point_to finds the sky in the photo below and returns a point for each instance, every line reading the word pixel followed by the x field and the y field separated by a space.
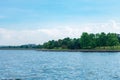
pixel 37 21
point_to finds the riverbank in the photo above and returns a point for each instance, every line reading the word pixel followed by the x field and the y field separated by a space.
pixel 79 50
pixel 64 50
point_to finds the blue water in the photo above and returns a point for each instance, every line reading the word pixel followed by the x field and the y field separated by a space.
pixel 37 65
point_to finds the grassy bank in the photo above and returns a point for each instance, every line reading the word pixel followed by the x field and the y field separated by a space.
pixel 98 49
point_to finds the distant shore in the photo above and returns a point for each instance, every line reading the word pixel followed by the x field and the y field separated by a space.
pixel 17 49
pixel 79 50
pixel 63 50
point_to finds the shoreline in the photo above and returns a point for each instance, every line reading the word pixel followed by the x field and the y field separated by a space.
pixel 82 50
pixel 63 50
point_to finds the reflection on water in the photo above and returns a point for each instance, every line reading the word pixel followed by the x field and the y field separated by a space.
pixel 36 65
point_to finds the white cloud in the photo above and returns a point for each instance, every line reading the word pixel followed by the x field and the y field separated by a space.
pixel 18 37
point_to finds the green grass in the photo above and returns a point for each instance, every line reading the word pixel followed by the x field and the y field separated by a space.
pixel 108 48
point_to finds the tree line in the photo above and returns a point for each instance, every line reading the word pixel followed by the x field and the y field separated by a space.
pixel 86 41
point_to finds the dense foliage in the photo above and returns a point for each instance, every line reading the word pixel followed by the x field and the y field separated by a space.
pixel 86 41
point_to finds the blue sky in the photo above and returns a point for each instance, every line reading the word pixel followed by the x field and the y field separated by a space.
pixel 42 17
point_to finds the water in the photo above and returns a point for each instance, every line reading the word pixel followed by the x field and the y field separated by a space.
pixel 37 65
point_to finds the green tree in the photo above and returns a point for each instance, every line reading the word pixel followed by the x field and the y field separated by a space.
pixel 112 39
pixel 97 40
pixel 49 44
pixel 102 39
pixel 85 40
pixel 76 43
pixel 66 42
pixel 118 36
pixel 92 39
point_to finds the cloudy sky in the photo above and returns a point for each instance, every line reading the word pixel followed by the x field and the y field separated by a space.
pixel 37 21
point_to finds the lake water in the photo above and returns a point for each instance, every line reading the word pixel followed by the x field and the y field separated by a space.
pixel 37 65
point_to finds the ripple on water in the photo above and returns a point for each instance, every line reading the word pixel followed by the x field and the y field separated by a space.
pixel 36 65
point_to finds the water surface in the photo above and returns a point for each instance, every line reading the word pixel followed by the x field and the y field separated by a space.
pixel 37 65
